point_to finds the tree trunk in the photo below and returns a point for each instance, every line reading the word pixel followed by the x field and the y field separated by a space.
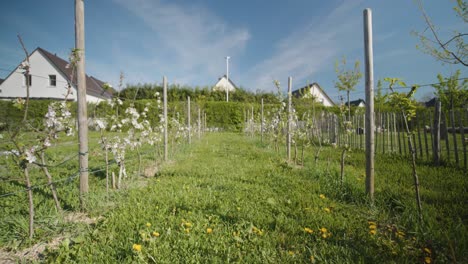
pixel 413 165
pixel 50 183
pixel 31 204
pixel 107 170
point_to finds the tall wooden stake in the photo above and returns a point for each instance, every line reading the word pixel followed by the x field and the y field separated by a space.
pixel 288 137
pixel 261 125
pixel 199 123
pixel 82 107
pixel 166 147
pixel 370 125
pixel 188 121
pixel 436 133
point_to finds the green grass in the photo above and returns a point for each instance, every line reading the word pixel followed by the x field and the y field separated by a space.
pixel 257 206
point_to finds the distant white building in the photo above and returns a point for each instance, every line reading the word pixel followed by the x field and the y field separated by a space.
pixel 314 91
pixel 358 103
pixel 48 79
pixel 224 84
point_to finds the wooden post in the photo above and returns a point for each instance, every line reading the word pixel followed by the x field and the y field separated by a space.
pixel 454 135
pixel 446 135
pixel 462 133
pixel 188 121
pixel 369 77
pixel 436 133
pixel 376 132
pixel 199 123
pixel 261 125
pixel 81 94
pixel 397 122
pixel 413 135
pixel 392 131
pixel 288 137
pixel 418 123
pixel 382 123
pixel 252 123
pixel 425 136
pixel 166 147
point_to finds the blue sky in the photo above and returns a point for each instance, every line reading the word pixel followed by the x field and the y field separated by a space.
pixel 266 40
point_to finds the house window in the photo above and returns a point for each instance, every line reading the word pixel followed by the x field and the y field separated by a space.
pixel 28 80
pixel 53 80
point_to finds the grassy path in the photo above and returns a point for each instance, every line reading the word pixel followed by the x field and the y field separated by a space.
pixel 229 199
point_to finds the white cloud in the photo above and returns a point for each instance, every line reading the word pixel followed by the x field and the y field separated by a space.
pixel 306 52
pixel 187 42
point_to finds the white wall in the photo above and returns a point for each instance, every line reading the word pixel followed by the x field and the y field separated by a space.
pixel 317 93
pixel 14 85
pixel 222 84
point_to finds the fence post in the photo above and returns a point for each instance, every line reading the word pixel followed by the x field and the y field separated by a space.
pixel 188 121
pixel 454 135
pixel 261 125
pixel 369 77
pixel 288 137
pixel 82 106
pixel 165 117
pixel 252 124
pixel 436 133
pixel 463 141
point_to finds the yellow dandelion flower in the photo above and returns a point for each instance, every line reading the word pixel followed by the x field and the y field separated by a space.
pixel 322 196
pixel 308 230
pixel 371 223
pixel 155 234
pixel 373 232
pixel 187 230
pixel 235 234
pixel 427 250
pixel 312 259
pixel 323 230
pixel 326 209
pixel 324 235
pixel 209 230
pixel 373 227
pixel 188 225
pixel 291 253
pixel 427 260
pixel 238 208
pixel 137 247
pixel 148 224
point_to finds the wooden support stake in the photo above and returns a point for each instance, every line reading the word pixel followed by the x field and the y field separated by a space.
pixel 189 127
pixel 369 77
pixel 425 136
pixel 261 125
pixel 166 146
pixel 288 137
pixel 454 136
pixel 81 95
pixel 199 123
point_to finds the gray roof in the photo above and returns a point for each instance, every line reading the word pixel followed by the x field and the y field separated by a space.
pixel 357 102
pixel 94 86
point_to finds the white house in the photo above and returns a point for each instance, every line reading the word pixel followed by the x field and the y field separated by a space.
pixel 48 79
pixel 314 91
pixel 224 84
pixel 358 103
